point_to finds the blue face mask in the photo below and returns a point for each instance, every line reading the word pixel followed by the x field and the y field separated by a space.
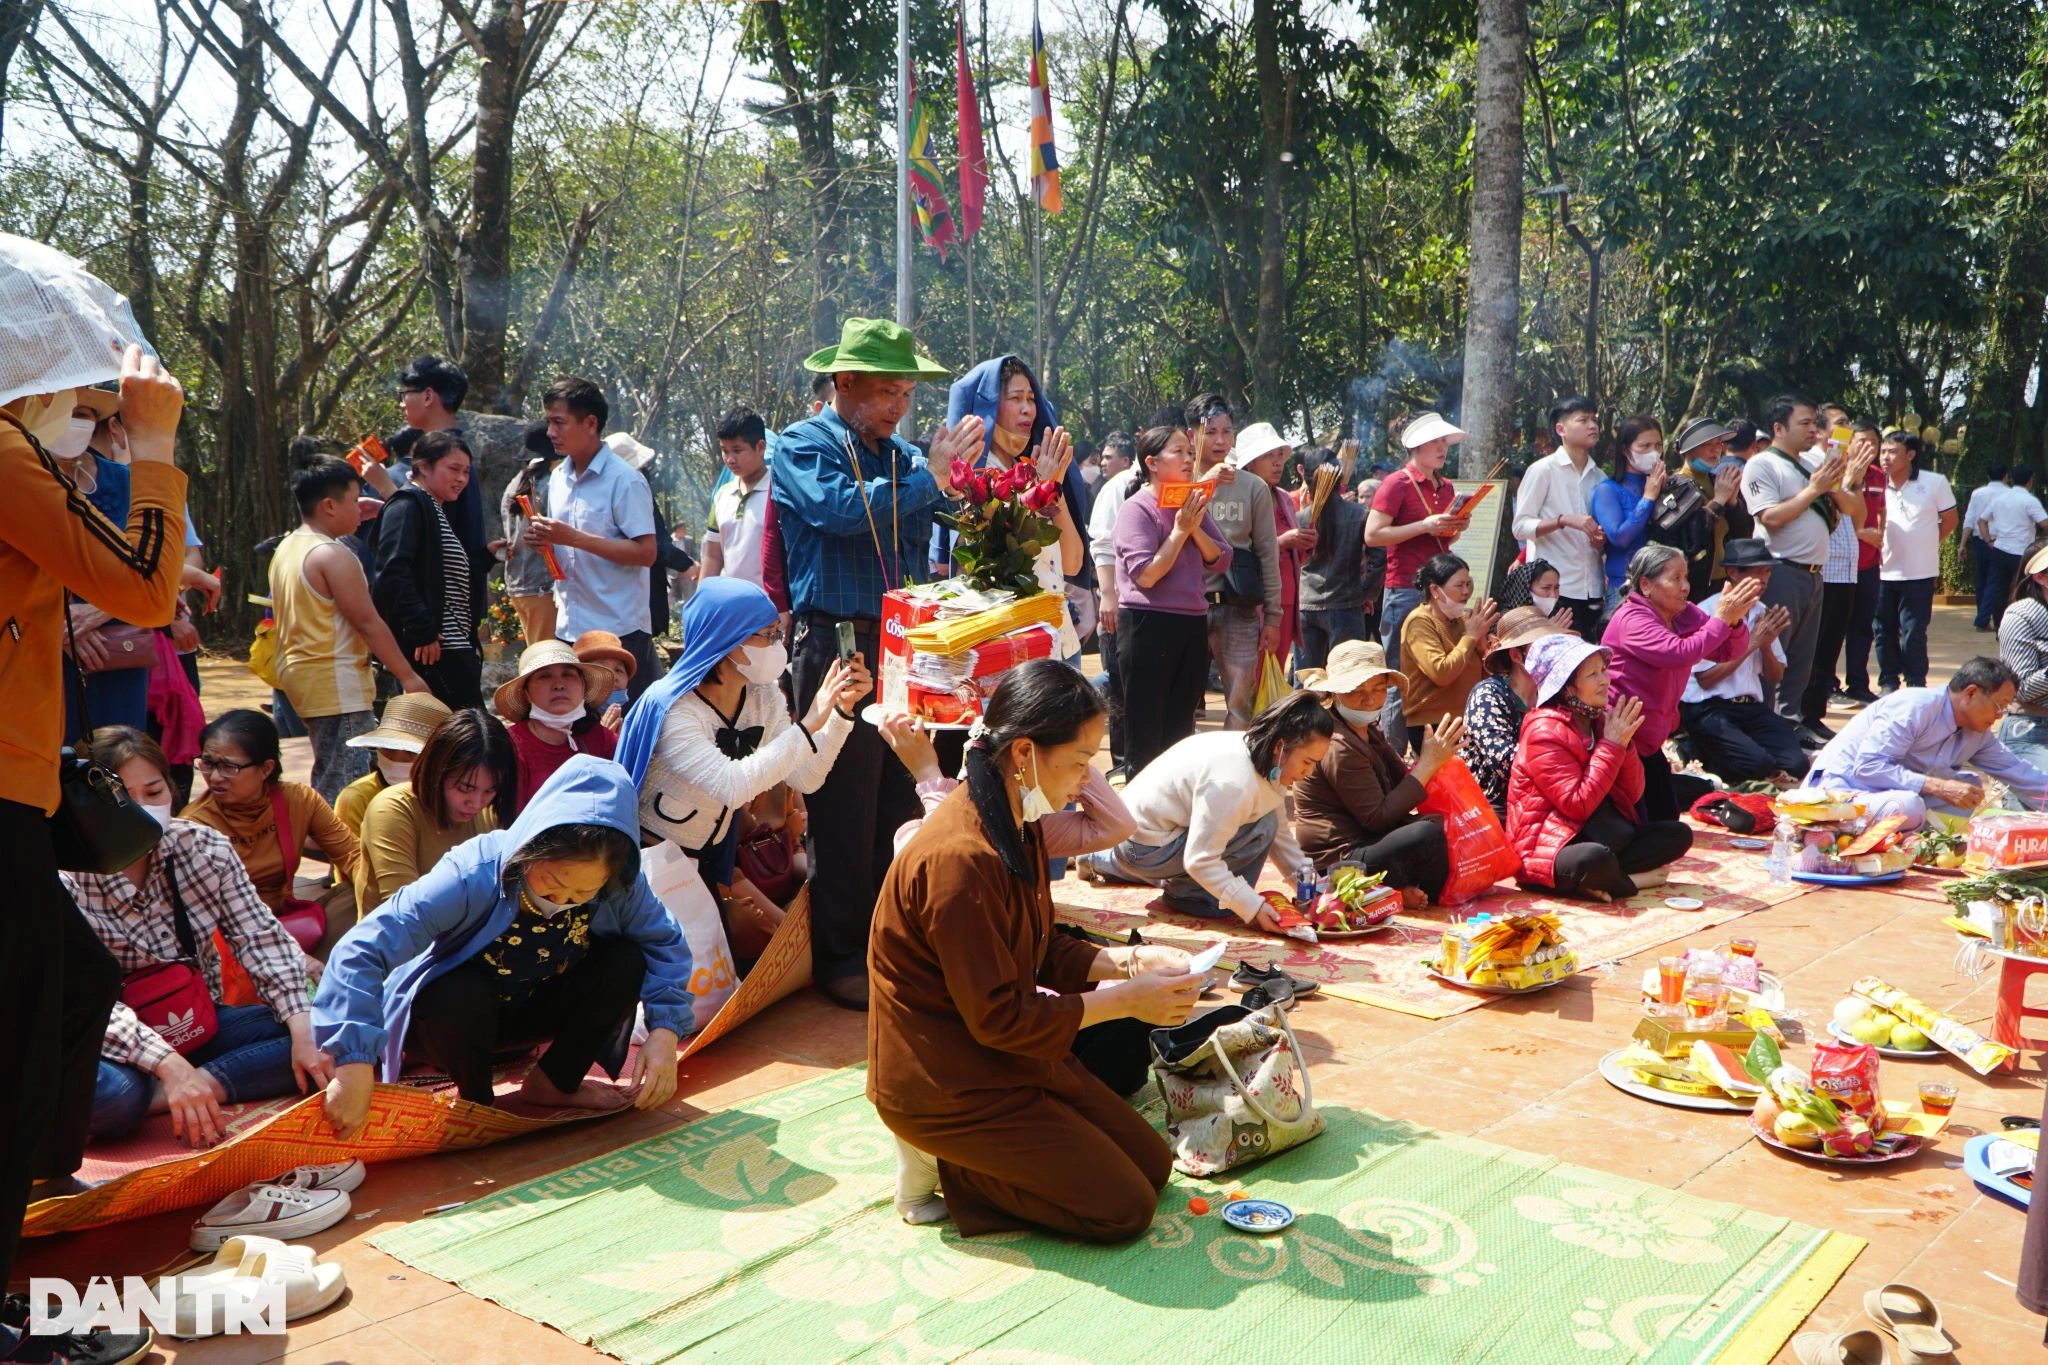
pixel 1273 774
pixel 1703 467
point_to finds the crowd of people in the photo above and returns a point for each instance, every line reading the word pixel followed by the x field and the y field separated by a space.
pixel 479 858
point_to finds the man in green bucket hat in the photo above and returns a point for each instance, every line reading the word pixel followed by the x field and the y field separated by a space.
pixel 855 503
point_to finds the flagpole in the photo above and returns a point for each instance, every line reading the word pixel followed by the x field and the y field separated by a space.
pixel 904 300
pixel 1037 280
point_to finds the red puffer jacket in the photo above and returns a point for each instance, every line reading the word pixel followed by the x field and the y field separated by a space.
pixel 1555 786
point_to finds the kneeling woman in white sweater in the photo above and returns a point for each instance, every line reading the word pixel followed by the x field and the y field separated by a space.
pixel 1213 808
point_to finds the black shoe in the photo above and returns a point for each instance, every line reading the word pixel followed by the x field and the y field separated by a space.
pixel 1863 696
pixel 1815 731
pixel 69 1348
pixel 1247 976
pixel 848 992
pixel 1272 993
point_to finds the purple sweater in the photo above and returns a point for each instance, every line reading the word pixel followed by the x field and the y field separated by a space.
pixel 1142 526
pixel 1651 661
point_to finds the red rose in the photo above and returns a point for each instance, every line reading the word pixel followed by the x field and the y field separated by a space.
pixel 977 487
pixel 961 472
pixel 1004 485
pixel 1041 496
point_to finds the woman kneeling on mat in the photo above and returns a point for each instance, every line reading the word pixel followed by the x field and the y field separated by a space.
pixel 1576 789
pixel 542 932
pixel 975 1000
pixel 1213 808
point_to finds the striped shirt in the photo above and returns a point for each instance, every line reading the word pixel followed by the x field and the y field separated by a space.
pixel 455 629
pixel 2023 645
pixel 136 925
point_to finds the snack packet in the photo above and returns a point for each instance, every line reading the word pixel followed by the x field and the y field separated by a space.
pixel 1977 1052
pixel 1847 1074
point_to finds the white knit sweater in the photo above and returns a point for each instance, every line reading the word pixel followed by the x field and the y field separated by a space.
pixel 692 788
pixel 1204 786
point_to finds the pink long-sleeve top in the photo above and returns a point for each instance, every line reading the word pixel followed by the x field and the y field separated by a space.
pixel 1650 661
pixel 1102 822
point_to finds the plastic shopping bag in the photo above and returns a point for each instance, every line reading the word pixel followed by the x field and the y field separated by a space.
pixel 1480 852
pixel 1272 683
pixel 673 877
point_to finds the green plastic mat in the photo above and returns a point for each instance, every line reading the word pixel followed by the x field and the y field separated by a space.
pixel 766 1233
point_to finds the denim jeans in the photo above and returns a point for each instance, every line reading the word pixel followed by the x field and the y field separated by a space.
pixel 250 1055
pixel 1980 579
pixel 2026 736
pixel 1904 611
pixel 1165 866
pixel 1998 579
pixel 1399 602
pixel 1322 631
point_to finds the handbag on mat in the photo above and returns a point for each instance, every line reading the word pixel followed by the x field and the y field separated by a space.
pixel 96 827
pixel 1236 1089
pixel 172 997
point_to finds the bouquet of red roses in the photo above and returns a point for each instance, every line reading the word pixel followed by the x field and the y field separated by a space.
pixel 1001 524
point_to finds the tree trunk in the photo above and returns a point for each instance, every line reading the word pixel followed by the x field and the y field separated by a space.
pixel 17 21
pixel 1271 324
pixel 485 251
pixel 1494 307
pixel 2001 421
pixel 812 117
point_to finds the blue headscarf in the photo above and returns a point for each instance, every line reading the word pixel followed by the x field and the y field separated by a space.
pixel 717 620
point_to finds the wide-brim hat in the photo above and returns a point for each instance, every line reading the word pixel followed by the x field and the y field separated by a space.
pixel 1428 427
pixel 1701 431
pixel 1255 442
pixel 603 647
pixel 875 346
pixel 1352 664
pixel 409 721
pixel 510 698
pixel 104 399
pixel 1746 553
pixel 2038 563
pixel 1552 661
pixel 1522 626
pixel 631 451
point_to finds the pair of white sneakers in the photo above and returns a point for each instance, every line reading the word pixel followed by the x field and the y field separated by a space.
pixel 299 1203
pixel 246 1230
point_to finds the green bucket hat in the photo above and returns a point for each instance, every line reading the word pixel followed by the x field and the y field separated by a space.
pixel 876 346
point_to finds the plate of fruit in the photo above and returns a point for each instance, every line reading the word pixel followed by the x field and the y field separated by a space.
pixel 1793 1117
pixel 1939 851
pixel 1859 1021
pixel 1356 904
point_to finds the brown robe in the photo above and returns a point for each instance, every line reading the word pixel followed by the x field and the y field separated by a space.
pixel 970 1062
pixel 2033 1285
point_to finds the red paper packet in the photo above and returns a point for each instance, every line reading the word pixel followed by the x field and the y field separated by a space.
pixel 1847 1074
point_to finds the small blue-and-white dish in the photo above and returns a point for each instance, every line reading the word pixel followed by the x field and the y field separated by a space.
pixel 1257 1215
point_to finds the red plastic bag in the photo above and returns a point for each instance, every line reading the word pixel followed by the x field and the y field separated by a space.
pixel 1480 852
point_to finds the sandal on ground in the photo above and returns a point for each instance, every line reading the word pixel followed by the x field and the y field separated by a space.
pixel 1912 1318
pixel 1656 876
pixel 1841 1348
pixel 245 1267
pixel 271 1211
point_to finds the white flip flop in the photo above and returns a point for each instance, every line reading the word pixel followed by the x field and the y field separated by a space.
pixel 1911 1317
pixel 215 1282
pixel 310 1284
pixel 244 1268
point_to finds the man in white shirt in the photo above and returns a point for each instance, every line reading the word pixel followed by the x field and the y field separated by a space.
pixel 1736 736
pixel 1920 511
pixel 2010 523
pixel 1796 505
pixel 1974 549
pixel 1554 513
pixel 732 541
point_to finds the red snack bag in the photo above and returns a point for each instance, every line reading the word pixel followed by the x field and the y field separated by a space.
pixel 1847 1074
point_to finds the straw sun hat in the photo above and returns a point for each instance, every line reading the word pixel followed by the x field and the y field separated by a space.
pixel 510 698
pixel 1353 664
pixel 409 721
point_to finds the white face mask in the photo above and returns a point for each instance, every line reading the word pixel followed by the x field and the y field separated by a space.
pixel 160 814
pixel 542 906
pixel 1360 719
pixel 394 773
pixel 1545 602
pixel 72 444
pixel 48 417
pixel 1453 609
pixel 763 664
pixel 1644 462
pixel 562 721
pixel 1036 806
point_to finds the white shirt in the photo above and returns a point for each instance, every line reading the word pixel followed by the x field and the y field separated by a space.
pixel 1109 500
pixel 737 521
pixel 1746 682
pixel 1980 502
pixel 2013 520
pixel 1554 487
pixel 1912 527
pixel 1204 788
pixel 1768 479
pixel 692 788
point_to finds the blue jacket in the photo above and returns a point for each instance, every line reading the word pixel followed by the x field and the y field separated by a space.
pixel 980 392
pixel 1624 514
pixel 461 906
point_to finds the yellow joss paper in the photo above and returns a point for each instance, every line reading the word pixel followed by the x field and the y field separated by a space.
pixel 1977 1052
pixel 958 634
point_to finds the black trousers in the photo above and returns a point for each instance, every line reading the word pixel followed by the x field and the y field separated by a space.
pixel 647 668
pixel 2004 568
pixel 1904 612
pixel 456 678
pixel 1588 616
pixel 1113 687
pixel 1610 846
pixel 1862 633
pixel 1414 855
pixel 865 798
pixel 58 984
pixel 1164 663
pixel 1837 610
pixel 458 1020
pixel 1743 741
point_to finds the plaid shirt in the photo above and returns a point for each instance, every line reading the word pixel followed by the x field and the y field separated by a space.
pixel 1842 552
pixel 135 923
pixel 836 541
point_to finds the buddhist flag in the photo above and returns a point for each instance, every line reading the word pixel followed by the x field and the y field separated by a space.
pixel 934 216
pixel 1045 158
pixel 973 154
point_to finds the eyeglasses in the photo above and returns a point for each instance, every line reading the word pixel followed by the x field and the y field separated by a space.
pixel 208 764
pixel 770 636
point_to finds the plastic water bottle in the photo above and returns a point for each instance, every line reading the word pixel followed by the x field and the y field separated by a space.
pixel 1779 867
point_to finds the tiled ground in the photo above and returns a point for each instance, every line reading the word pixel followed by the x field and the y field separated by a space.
pixel 1520 1072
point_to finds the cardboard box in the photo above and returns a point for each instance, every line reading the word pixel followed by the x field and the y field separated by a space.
pixel 2007 841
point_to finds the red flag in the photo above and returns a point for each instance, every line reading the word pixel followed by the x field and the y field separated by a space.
pixel 973 155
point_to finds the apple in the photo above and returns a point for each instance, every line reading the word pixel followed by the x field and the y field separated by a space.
pixel 1872 1029
pixel 1907 1038
pixel 1797 1130
pixel 1849 1011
